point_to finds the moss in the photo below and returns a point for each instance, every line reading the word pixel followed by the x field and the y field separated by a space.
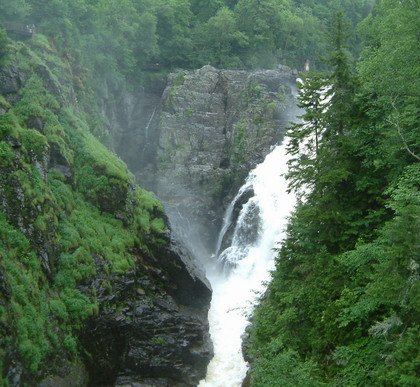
pixel 189 112
pixel 35 99
pixel 40 223
pixel 32 140
pixel 40 41
pixel 85 231
pixel 8 124
pixel 44 313
pixel 158 340
pixel 158 225
pixel 179 79
pixel 272 106
pixel 70 343
pixel 28 295
pixel 6 154
pixel 3 103
pixel 254 91
pixel 58 309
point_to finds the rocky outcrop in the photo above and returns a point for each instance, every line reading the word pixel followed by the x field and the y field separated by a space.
pixel 154 328
pixel 211 128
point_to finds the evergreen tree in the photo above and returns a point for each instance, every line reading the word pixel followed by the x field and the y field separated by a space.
pixel 342 81
pixel 346 286
pixel 305 137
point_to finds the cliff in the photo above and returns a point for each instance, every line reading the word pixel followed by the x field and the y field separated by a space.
pixel 201 138
pixel 93 289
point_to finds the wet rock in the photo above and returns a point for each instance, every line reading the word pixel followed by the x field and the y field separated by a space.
pixel 58 161
pixel 11 80
pixel 155 336
pixel 151 327
pixel 35 122
pixel 238 206
pixel 68 376
pixel 213 127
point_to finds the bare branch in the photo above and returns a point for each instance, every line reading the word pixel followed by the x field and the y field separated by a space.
pixel 397 125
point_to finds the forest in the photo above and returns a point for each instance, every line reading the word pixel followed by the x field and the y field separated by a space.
pixel 342 307
pixel 123 40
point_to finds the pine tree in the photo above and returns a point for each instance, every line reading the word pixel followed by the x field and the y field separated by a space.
pixel 342 80
pixel 305 137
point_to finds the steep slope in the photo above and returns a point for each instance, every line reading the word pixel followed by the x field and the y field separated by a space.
pixel 93 289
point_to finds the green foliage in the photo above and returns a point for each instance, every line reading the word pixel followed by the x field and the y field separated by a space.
pixel 8 124
pixel 304 145
pixel 6 153
pixel 120 41
pixel 158 225
pixel 219 40
pixel 240 143
pixel 33 141
pixel 94 216
pixel 159 340
pixel 17 10
pixel 342 306
pixel 276 367
pixel 179 79
pixel 28 304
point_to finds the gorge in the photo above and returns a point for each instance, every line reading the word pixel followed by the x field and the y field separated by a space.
pixel 148 167
pixel 141 313
pixel 199 163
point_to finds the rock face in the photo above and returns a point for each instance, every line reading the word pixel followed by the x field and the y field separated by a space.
pixel 156 332
pixel 129 121
pixel 93 288
pixel 209 130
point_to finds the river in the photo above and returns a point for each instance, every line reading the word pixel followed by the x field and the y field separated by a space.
pixel 237 278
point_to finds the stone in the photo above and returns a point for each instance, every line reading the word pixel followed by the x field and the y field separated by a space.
pixel 210 128
pixel 158 336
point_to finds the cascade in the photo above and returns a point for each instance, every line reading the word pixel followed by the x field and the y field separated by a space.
pixel 227 218
pixel 247 262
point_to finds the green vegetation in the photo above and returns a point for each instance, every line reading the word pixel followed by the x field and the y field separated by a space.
pixel 120 41
pixel 57 229
pixel 179 79
pixel 342 306
pixel 240 143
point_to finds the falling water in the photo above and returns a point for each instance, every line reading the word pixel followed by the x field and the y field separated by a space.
pixel 146 129
pixel 259 227
pixel 227 219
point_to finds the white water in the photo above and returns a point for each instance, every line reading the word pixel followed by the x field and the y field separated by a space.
pixel 146 129
pixel 234 292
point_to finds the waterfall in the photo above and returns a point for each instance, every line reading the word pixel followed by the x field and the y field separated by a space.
pixel 227 218
pixel 146 129
pixel 258 228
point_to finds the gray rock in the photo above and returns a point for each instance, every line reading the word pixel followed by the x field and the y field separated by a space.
pixel 211 128
pixel 157 336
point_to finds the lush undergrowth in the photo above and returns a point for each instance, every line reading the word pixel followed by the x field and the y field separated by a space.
pixel 69 209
